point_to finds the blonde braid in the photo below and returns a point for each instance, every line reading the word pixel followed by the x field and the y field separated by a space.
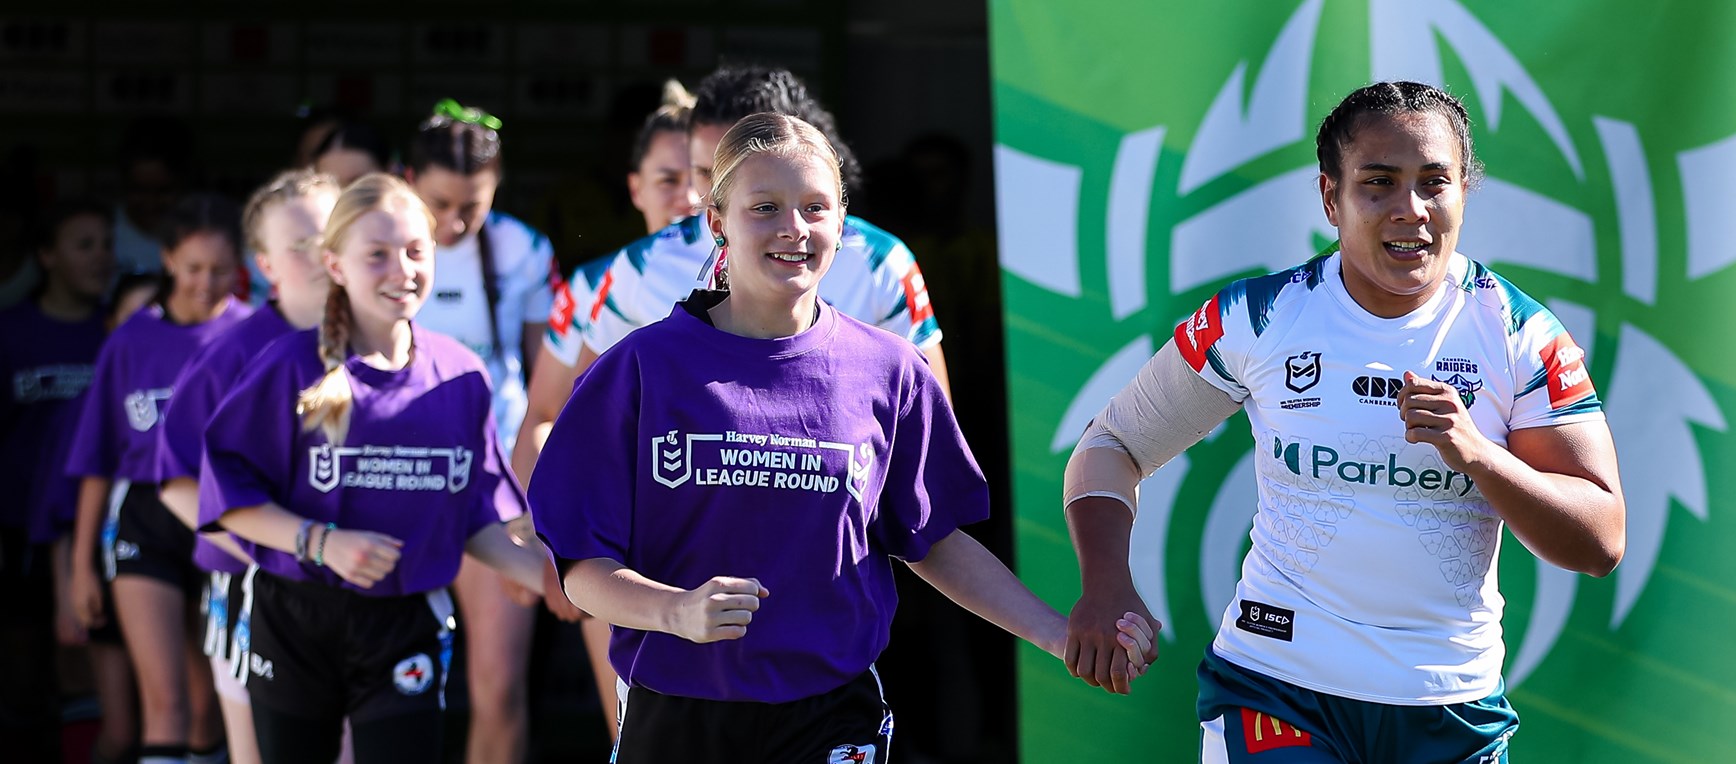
pixel 326 405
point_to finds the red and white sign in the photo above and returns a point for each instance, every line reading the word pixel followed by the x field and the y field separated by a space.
pixel 1564 372
pixel 1198 333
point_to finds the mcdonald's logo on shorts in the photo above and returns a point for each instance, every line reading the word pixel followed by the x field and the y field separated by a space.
pixel 1262 733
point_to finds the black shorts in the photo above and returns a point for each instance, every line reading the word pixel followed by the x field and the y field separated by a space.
pixel 148 540
pixel 851 724
pixel 26 580
pixel 315 651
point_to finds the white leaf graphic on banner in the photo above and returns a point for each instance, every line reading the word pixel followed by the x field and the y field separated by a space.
pixel 1654 399
pixel 1277 109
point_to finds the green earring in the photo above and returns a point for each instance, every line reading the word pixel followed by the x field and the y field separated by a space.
pixel 721 243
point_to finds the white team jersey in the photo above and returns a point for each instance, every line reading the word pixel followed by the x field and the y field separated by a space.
pixel 874 279
pixel 458 307
pixel 1373 567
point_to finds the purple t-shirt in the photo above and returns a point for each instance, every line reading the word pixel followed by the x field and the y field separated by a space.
pixel 421 461
pixel 45 365
pixel 135 375
pixel 204 381
pixel 806 462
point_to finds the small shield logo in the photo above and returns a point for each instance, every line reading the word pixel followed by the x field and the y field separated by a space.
pixel 458 469
pixel 860 469
pixel 671 459
pixel 142 408
pixel 322 471
pixel 1302 371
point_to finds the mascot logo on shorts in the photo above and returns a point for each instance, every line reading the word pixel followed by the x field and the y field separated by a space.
pixel 412 675
pixel 852 754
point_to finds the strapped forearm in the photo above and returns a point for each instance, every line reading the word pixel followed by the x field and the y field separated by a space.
pixel 1165 410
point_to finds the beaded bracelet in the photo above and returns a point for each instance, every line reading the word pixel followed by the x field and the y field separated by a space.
pixel 319 555
pixel 301 540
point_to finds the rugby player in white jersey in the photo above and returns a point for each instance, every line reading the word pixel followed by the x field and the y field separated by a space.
pixel 1406 402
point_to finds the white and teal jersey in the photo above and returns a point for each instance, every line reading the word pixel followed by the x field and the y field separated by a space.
pixel 874 279
pixel 457 306
pixel 1373 567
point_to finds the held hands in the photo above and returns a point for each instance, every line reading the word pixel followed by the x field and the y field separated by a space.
pixel 86 597
pixel 361 557
pixel 555 596
pixel 716 610
pixel 1433 413
pixel 1109 645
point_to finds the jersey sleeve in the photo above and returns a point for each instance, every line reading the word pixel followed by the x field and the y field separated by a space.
pixel 1211 345
pixel 499 497
pixel 180 437
pixel 250 443
pixel 570 311
pixel 1554 386
pixel 610 318
pixel 582 494
pixel 95 448
pixel 933 484
pixel 899 299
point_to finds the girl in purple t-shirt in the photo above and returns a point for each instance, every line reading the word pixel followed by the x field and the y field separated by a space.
pixel 148 554
pixel 359 462
pixel 47 350
pixel 732 484
pixel 283 221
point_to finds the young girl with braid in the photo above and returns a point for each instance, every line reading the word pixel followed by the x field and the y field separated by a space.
pixel 145 552
pixel 283 221
pixel 358 462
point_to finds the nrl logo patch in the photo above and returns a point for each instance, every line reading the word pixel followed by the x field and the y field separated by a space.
pixel 1302 371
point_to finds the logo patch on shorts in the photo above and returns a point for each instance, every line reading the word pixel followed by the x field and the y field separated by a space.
pixel 1262 733
pixel 261 667
pixel 1267 621
pixel 852 754
pixel 413 674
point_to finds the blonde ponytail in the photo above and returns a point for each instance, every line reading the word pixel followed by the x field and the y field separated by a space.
pixel 326 405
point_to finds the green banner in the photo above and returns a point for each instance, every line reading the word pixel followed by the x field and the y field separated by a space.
pixel 1147 153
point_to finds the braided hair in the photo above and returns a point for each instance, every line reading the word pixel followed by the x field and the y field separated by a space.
pixel 326 404
pixel 1391 99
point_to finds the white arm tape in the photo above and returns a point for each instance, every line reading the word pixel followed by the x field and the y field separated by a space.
pixel 1165 410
